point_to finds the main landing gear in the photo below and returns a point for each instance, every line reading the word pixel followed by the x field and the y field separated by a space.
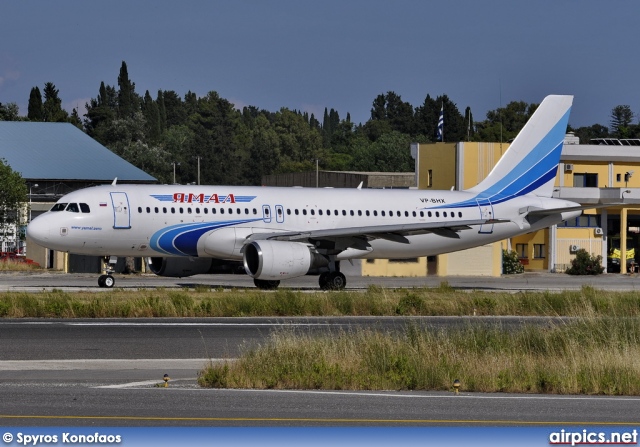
pixel 332 281
pixel 264 284
pixel 107 280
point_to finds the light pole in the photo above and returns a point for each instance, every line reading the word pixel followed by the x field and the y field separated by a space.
pixel 174 171
pixel 198 157
pixel 30 188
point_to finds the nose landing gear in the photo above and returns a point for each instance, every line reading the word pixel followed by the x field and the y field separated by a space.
pixel 107 280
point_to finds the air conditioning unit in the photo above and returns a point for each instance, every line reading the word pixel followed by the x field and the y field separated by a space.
pixel 598 231
pixel 573 248
pixel 568 167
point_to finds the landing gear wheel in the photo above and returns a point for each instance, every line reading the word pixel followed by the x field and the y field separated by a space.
pixel 324 281
pixel 336 281
pixel 265 284
pixel 109 281
pixel 106 281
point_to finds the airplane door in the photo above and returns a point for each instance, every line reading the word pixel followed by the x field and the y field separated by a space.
pixel 279 214
pixel 486 212
pixel 266 213
pixel 121 212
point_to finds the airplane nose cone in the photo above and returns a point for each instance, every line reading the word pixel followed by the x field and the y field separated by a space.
pixel 38 231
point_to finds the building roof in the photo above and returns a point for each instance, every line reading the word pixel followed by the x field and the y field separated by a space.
pixel 61 151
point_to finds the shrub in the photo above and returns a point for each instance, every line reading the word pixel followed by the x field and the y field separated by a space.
pixel 585 264
pixel 511 262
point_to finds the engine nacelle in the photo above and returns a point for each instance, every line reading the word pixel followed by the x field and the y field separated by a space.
pixel 179 267
pixel 275 260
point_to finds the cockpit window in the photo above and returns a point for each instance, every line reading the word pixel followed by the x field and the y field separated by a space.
pixel 59 207
pixel 84 208
pixel 73 208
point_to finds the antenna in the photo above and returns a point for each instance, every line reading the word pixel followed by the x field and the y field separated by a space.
pixel 114 181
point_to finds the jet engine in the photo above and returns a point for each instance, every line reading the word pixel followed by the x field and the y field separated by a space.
pixel 275 260
pixel 180 267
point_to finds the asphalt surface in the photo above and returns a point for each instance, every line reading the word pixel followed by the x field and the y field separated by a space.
pixel 37 281
pixel 107 372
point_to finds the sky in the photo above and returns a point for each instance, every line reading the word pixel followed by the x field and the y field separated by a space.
pixel 340 54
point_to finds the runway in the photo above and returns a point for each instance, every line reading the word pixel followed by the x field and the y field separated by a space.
pixel 38 281
pixel 106 372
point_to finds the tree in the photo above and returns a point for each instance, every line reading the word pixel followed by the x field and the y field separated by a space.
pixel 621 118
pixel 9 112
pixel 35 111
pixel 101 112
pixel 52 107
pixel 504 123
pixel 127 98
pixel 586 134
pixel 13 196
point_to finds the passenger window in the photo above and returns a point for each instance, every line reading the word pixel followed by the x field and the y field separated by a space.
pixel 84 208
pixel 414 214
pixel 335 212
pixel 197 210
pixel 173 210
pixel 304 212
pixel 254 211
pixel 164 210
pixel 156 210
pixel 279 211
pixel 148 210
pixel 429 213
pixel 59 207
pixel 382 212
pixel 344 212
pixel 459 214
pixel 139 209
pixel 288 211
pixel 444 214
pixel 359 213
pixel 214 211
pixel 73 208
pixel 296 210
pixel 206 210
pixel 181 210
pixel 406 214
pixel 246 210
pixel 399 214
pixel 421 213
pixel 221 210
pixel 239 211
pixel 189 210
pixel 313 212
pixel 351 212
pixel 375 213
pixel 437 214
pixel 320 212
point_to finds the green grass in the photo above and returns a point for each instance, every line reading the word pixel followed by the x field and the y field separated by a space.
pixel 591 356
pixel 375 301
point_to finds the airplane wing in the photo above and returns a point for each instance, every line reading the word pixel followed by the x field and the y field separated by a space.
pixel 357 237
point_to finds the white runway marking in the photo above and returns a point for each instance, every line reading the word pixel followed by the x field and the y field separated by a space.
pixel 103 364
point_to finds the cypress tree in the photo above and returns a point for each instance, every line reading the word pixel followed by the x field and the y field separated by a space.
pixel 35 110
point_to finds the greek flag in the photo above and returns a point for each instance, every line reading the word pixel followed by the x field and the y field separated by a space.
pixel 441 124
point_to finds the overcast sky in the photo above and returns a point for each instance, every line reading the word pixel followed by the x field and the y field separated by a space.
pixel 340 54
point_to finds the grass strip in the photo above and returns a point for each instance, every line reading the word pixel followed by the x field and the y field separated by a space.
pixel 590 356
pixel 375 301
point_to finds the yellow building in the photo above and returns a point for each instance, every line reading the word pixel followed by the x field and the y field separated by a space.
pixel 605 171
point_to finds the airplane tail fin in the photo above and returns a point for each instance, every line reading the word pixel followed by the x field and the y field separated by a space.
pixel 529 165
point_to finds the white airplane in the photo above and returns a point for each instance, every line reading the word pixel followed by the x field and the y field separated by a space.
pixel 281 233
